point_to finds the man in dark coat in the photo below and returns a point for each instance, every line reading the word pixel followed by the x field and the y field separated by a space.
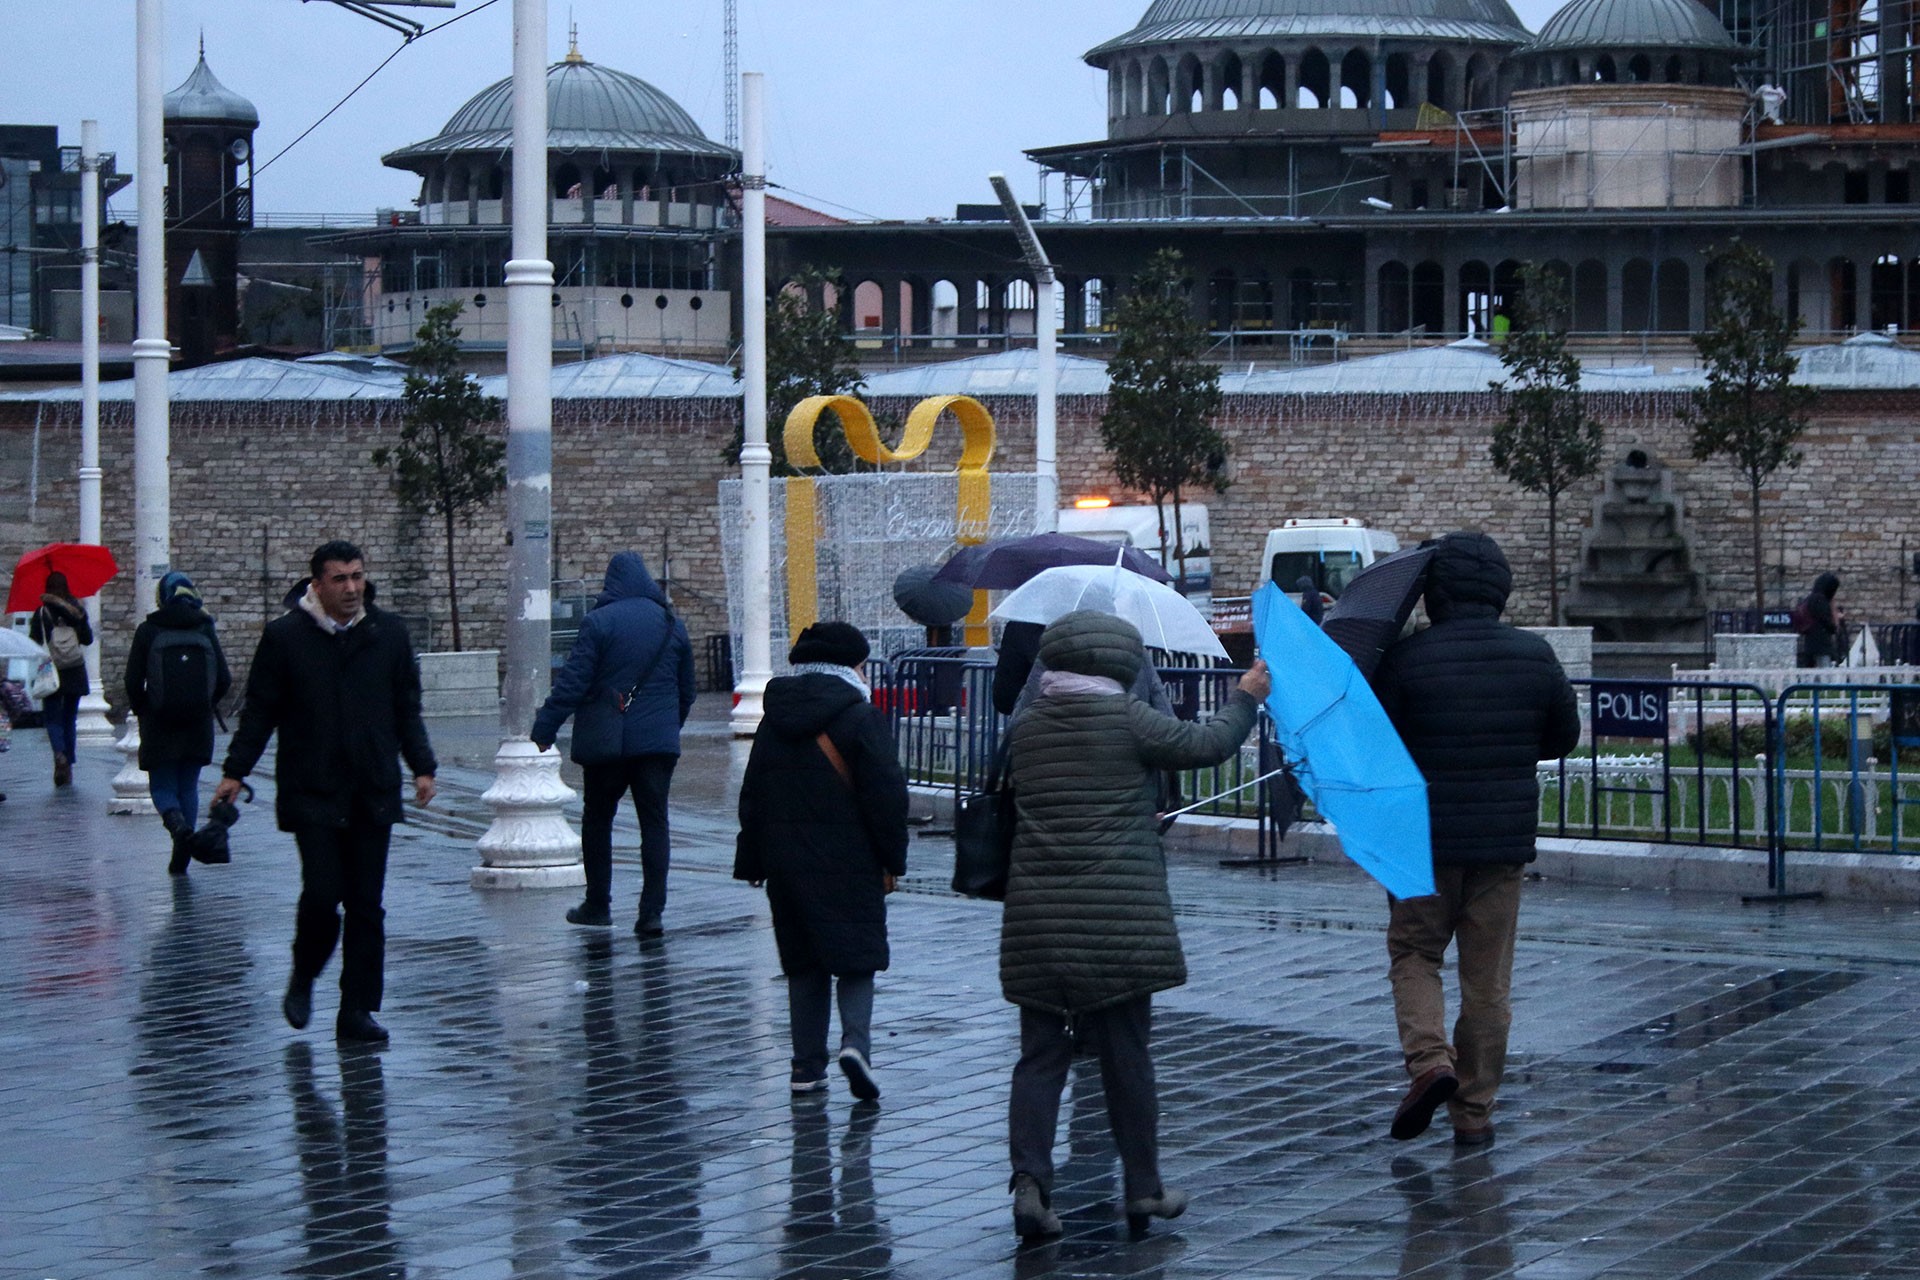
pixel 629 684
pixel 1477 703
pixel 337 678
pixel 823 824
pixel 176 740
pixel 1821 644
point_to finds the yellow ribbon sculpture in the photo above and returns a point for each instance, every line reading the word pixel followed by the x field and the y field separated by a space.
pixel 802 519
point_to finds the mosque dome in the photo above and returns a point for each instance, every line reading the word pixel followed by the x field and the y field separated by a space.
pixel 589 108
pixel 1177 21
pixel 201 98
pixel 1632 24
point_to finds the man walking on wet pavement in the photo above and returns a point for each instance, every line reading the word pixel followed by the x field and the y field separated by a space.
pixel 628 684
pixel 1477 703
pixel 336 677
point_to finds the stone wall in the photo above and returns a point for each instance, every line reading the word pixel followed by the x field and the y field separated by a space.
pixel 257 487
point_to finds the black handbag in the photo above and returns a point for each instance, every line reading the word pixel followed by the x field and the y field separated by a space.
pixel 983 824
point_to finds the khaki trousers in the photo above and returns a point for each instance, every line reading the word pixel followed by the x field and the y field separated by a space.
pixel 1479 907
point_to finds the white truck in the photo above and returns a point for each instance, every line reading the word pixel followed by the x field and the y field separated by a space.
pixel 1125 526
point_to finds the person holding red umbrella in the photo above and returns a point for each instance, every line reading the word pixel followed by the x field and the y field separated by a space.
pixel 61 625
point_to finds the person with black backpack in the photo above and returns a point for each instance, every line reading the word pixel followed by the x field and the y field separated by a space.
pixel 176 677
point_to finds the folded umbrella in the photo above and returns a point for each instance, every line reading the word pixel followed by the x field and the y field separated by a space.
pixel 1371 612
pixel 1349 758
pixel 87 567
pixel 1002 565
pixel 1165 618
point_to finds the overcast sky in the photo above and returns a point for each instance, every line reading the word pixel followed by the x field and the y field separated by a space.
pixel 876 108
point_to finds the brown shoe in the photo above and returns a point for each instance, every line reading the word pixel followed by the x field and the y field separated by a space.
pixel 1481 1137
pixel 1429 1090
pixel 62 771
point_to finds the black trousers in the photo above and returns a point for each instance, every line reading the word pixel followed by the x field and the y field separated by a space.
pixel 1120 1033
pixel 649 777
pixel 343 869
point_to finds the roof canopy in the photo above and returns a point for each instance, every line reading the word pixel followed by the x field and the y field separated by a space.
pixel 1632 24
pixel 589 108
pixel 1168 21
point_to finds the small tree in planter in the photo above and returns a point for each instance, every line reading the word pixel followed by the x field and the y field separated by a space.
pixel 444 464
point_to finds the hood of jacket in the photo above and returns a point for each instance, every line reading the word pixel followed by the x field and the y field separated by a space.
pixel 1467 578
pixel 627 579
pixel 802 707
pixel 1827 584
pixel 179 614
pixel 1093 644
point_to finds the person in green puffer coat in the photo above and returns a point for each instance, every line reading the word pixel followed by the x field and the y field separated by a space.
pixel 1088 934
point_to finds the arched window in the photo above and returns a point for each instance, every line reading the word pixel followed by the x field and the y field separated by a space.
pixel 1429 298
pixel 1844 286
pixel 1394 304
pixel 1221 291
pixel 566 182
pixel 1356 80
pixel 1889 297
pixel 869 299
pixel 1673 290
pixel 1187 85
pixel 1639 68
pixel 1637 312
pixel 1475 311
pixel 1590 296
pixel 1316 80
pixel 1228 72
pixel 1273 81
pixel 1439 87
pixel 457 184
pixel 1399 83
pixel 1604 70
pixel 1157 87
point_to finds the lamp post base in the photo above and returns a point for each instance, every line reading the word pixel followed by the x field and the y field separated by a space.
pixel 530 845
pixel 93 726
pixel 748 705
pixel 130 784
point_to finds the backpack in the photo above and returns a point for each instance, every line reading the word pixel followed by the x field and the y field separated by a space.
pixel 1802 618
pixel 63 642
pixel 181 667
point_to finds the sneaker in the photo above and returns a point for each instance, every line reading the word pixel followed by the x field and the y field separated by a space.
pixel 588 914
pixel 1033 1215
pixel 1166 1203
pixel 814 1084
pixel 1425 1095
pixel 859 1074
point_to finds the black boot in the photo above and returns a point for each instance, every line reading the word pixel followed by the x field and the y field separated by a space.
pixel 179 827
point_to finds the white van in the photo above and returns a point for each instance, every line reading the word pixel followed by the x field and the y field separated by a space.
pixel 1140 527
pixel 1331 551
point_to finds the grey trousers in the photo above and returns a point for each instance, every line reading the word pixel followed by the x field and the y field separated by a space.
pixel 810 1002
pixel 1120 1034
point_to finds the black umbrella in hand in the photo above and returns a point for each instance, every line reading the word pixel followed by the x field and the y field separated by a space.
pixel 1003 565
pixel 1370 613
pixel 209 843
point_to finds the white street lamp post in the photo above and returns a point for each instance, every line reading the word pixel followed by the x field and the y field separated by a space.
pixel 93 726
pixel 1046 347
pixel 756 459
pixel 529 845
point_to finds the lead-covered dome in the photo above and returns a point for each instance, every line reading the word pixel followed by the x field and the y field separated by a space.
pixel 589 108
pixel 1170 21
pixel 201 98
pixel 1632 24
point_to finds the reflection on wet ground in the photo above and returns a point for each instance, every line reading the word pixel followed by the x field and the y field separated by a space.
pixel 1698 1089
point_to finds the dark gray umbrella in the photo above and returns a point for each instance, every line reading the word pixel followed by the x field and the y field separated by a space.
pixel 928 602
pixel 1000 566
pixel 1369 614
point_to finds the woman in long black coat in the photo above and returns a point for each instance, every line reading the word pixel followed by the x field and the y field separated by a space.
pixel 823 825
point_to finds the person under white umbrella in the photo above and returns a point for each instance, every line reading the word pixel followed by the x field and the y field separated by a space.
pixel 1165 618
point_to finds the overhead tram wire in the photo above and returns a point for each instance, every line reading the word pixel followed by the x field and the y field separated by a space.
pixel 404 45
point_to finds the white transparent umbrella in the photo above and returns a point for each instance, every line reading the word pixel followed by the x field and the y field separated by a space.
pixel 1166 619
pixel 15 644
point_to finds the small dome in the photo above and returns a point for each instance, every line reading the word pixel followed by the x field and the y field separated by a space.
pixel 1166 21
pixel 203 97
pixel 589 108
pixel 1632 24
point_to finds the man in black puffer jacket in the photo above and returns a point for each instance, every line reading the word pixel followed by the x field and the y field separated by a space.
pixel 1478 703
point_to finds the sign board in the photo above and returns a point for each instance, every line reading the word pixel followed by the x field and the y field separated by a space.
pixel 1629 709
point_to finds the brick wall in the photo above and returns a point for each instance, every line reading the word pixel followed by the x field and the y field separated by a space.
pixel 256 487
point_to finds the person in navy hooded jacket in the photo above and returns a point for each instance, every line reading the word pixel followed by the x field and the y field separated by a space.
pixel 628 684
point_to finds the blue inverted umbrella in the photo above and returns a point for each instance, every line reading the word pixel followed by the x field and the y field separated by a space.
pixel 1351 761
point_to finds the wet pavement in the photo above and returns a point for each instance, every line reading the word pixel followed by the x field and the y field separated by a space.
pixel 1698 1088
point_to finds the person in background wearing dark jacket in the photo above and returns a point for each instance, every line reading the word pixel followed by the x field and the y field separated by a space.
pixel 1088 934
pixel 176 741
pixel 1478 704
pixel 61 711
pixel 823 824
pixel 338 680
pixel 1823 646
pixel 629 684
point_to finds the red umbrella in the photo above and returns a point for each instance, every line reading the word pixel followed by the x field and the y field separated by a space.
pixel 87 568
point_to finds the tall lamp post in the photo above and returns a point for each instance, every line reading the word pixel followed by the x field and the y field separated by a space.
pixel 152 554
pixel 756 458
pixel 1047 347
pixel 93 726
pixel 529 845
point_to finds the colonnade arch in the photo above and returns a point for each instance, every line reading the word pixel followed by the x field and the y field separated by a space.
pixel 1353 74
